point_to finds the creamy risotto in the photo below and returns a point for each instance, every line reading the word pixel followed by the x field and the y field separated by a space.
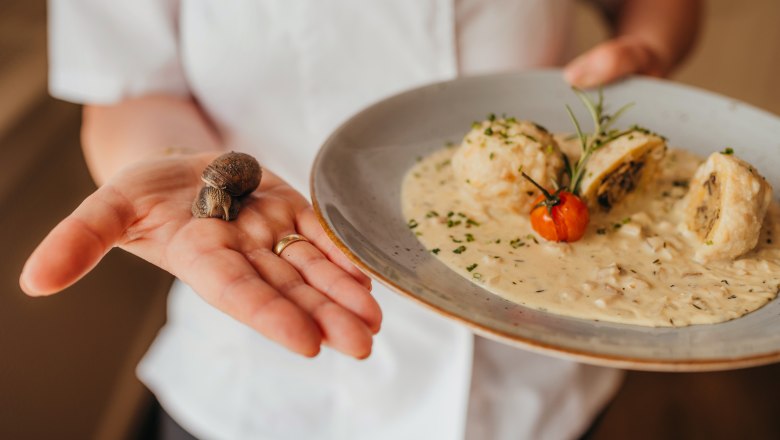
pixel 636 263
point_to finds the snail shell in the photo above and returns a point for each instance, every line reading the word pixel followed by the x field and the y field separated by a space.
pixel 237 173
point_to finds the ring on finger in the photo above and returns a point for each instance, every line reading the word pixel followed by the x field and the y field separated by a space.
pixel 287 240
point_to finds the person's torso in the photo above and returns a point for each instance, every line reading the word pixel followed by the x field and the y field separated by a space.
pixel 278 76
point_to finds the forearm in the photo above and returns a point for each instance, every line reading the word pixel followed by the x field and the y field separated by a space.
pixel 667 27
pixel 115 136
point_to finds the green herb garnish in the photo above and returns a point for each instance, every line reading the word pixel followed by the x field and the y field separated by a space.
pixel 590 143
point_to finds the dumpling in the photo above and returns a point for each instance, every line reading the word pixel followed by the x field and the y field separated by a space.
pixel 620 167
pixel 488 163
pixel 725 207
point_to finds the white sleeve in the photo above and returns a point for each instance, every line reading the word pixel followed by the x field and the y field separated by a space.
pixel 101 52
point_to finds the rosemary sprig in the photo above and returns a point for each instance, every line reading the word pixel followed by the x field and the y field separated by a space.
pixel 602 134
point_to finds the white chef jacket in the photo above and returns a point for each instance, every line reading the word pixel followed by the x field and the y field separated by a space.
pixel 277 76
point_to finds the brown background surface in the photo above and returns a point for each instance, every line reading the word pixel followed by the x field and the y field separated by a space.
pixel 67 362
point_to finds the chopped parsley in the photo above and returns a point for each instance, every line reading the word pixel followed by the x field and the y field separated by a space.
pixel 517 243
pixel 412 224
pixel 435 251
pixel 471 267
pixel 728 151
pixel 531 138
pixel 460 249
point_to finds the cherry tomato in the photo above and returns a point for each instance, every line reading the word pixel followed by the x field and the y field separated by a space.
pixel 565 221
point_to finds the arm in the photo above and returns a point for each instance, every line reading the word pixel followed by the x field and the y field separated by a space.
pixel 308 296
pixel 650 37
pixel 115 136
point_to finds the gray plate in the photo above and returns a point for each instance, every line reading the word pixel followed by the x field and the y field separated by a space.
pixel 356 184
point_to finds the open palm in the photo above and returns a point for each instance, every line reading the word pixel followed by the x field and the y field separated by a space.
pixel 309 295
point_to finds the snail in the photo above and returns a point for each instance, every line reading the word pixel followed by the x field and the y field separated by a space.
pixel 228 179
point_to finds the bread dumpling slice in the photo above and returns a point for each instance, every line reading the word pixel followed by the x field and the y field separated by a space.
pixel 725 207
pixel 621 166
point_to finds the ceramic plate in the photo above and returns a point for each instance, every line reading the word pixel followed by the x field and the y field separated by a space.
pixel 356 186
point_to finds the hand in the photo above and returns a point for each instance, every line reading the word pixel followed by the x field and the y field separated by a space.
pixel 311 295
pixel 612 60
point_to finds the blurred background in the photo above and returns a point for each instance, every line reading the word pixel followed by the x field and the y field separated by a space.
pixel 67 362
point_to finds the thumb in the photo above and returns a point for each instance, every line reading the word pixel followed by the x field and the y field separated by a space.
pixel 612 60
pixel 77 243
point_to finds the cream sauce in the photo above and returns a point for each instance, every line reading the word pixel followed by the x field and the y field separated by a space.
pixel 633 266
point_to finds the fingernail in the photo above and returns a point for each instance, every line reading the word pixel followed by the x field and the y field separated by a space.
pixel 581 74
pixel 25 285
pixel 573 73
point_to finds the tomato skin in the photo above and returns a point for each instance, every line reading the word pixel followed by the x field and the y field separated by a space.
pixel 568 221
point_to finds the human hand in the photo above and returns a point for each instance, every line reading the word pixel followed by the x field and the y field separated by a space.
pixel 308 296
pixel 615 59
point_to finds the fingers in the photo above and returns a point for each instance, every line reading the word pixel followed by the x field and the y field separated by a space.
pixel 341 329
pixel 78 243
pixel 307 224
pixel 226 280
pixel 335 283
pixel 611 61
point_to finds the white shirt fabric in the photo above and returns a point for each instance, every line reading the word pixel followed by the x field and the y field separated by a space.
pixel 277 76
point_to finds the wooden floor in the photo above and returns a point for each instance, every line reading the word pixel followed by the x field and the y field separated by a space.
pixel 66 362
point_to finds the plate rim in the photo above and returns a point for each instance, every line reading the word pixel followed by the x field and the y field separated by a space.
pixel 554 350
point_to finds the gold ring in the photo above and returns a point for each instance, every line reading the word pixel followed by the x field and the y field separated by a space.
pixel 286 241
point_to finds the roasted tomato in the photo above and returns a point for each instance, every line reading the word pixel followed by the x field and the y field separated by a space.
pixel 560 216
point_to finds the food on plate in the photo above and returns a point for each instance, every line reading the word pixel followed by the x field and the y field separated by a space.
pixel 680 251
pixel 489 162
pixel 621 166
pixel 613 163
pixel 726 206
pixel 559 216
